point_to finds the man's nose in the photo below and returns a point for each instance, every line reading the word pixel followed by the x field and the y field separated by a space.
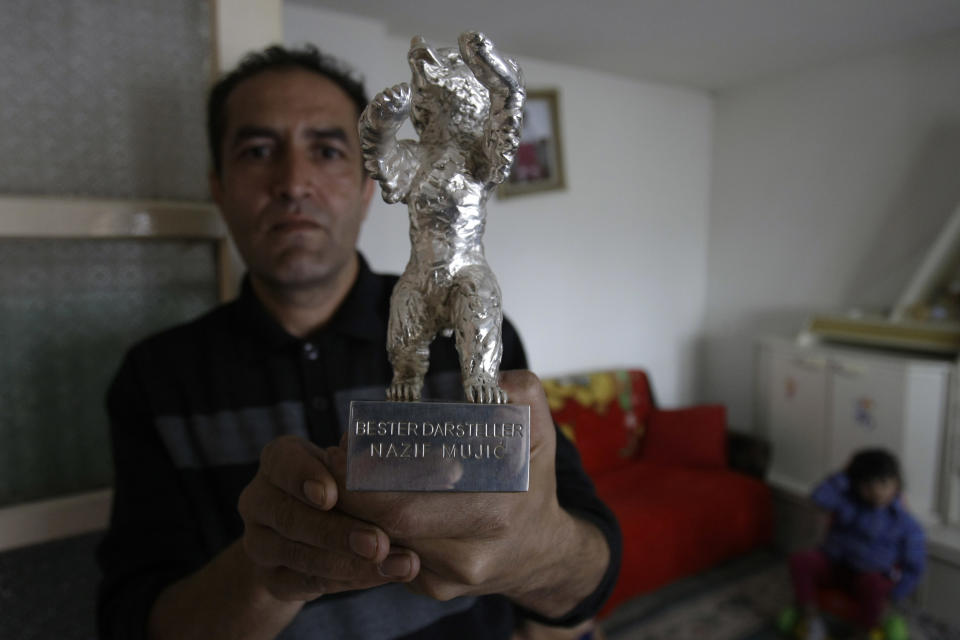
pixel 295 178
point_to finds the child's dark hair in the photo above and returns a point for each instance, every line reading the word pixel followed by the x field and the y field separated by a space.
pixel 868 465
pixel 277 58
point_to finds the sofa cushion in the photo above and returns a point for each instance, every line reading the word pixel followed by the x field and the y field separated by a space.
pixel 677 521
pixel 694 437
pixel 604 413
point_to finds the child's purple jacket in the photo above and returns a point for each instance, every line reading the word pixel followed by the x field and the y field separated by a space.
pixel 886 539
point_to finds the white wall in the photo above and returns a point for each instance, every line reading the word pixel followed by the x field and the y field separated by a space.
pixel 610 272
pixel 828 188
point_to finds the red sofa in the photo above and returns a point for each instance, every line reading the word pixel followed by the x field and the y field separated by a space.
pixel 664 473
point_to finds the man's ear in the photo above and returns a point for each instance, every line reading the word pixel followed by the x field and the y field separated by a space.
pixel 216 188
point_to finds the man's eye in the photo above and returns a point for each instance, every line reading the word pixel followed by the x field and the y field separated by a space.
pixel 328 152
pixel 256 151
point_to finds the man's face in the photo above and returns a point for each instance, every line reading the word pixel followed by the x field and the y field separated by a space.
pixel 879 493
pixel 292 188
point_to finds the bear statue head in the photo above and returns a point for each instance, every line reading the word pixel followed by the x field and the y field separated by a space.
pixel 447 99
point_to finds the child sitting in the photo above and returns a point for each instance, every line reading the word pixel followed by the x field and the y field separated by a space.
pixel 874 549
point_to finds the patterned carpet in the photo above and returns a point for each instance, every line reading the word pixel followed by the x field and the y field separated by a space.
pixel 739 601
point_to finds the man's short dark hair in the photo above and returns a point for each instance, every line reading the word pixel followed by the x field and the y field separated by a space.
pixel 276 58
pixel 869 465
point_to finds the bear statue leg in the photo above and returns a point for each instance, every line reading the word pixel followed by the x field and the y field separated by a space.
pixel 477 319
pixel 409 333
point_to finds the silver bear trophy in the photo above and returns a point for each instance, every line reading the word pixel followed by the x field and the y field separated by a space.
pixel 466 105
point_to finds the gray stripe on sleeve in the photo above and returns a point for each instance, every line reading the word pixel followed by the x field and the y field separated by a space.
pixel 228 437
pixel 390 611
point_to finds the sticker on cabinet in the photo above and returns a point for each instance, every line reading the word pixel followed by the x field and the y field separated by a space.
pixel 863 413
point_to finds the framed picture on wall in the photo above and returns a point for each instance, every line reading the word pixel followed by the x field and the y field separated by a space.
pixel 539 162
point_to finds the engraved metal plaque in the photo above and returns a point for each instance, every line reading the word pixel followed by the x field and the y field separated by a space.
pixel 438 446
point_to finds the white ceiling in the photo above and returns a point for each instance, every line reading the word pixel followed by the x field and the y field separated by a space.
pixel 708 44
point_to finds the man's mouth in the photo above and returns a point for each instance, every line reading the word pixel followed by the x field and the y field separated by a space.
pixel 294 224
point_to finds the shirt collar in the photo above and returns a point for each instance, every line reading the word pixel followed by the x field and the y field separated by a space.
pixel 362 314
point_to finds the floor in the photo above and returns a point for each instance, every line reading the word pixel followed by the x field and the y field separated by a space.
pixel 740 600
pixel 39 599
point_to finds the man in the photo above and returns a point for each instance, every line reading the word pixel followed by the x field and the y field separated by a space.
pixel 230 519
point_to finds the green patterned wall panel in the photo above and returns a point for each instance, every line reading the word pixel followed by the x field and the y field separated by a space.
pixel 104 98
pixel 69 309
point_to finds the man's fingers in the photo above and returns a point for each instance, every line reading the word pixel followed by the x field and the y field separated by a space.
pixel 265 505
pixel 524 387
pixel 269 549
pixel 297 467
pixel 287 584
pixel 402 565
pixel 299 571
pixel 430 584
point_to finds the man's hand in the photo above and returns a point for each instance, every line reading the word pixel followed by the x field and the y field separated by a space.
pixel 302 547
pixel 521 545
pixel 296 546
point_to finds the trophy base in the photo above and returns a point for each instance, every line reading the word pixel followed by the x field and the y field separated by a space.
pixel 438 446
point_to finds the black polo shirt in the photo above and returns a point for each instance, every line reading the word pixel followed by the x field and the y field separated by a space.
pixel 192 407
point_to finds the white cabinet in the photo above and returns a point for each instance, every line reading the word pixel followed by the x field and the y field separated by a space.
pixel 798 396
pixel 819 404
